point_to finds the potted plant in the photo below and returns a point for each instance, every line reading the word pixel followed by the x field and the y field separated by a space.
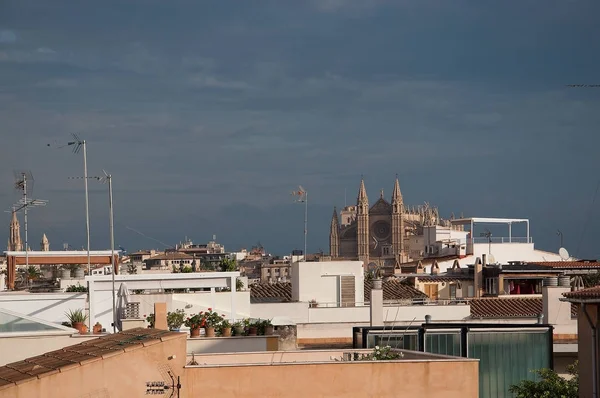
pixel 253 328
pixel 97 328
pixel 195 322
pixel 77 319
pixel 268 327
pixel 150 320
pixel 213 319
pixel 175 319
pixel 238 328
pixel 225 328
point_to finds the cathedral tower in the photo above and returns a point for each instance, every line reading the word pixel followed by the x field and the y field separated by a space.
pixel 398 223
pixel 14 239
pixel 334 238
pixel 362 218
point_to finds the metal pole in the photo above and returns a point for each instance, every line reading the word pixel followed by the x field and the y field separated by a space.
pixel 87 206
pixel 305 222
pixel 25 212
pixel 112 249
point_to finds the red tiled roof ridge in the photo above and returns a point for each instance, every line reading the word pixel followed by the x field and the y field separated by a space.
pixel 568 264
pixel 587 293
pixel 79 354
pixel 494 307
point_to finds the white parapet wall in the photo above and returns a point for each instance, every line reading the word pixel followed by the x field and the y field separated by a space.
pixel 50 307
pixel 101 291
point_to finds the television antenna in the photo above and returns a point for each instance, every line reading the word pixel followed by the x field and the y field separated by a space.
pixel 77 145
pixel 24 183
pixel 560 234
pixel 303 198
pixel 106 178
pixel 487 234
pixel 563 253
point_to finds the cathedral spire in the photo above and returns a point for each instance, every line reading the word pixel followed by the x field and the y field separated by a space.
pixel 362 227
pixel 14 240
pixel 362 193
pixel 398 230
pixel 334 239
pixel 396 194
pixel 334 218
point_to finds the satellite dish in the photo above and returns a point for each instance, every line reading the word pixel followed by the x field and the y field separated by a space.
pixel 563 253
pixel 491 259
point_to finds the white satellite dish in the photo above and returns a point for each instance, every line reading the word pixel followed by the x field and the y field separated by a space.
pixel 491 259
pixel 563 253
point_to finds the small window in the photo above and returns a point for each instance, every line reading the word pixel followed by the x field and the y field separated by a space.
pixel 452 291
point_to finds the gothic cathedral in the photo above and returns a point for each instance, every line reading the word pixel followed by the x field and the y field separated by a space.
pixel 379 233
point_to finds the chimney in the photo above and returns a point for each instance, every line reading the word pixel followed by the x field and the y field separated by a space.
pixel 477 277
pixel 435 268
pixel 376 310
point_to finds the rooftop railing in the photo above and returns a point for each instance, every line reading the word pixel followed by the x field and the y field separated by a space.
pixel 393 303
pixel 503 239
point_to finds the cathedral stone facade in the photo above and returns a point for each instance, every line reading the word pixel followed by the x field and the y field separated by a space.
pixel 379 233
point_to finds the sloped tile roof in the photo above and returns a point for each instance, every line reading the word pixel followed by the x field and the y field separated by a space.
pixel 77 355
pixel 271 292
pixel 394 289
pixel 444 278
pixel 591 293
pixel 506 307
pixel 569 264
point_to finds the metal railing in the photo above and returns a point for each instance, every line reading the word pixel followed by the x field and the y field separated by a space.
pixel 502 239
pixel 392 303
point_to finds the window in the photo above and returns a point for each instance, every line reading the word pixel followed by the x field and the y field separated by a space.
pixel 491 285
pixel 452 291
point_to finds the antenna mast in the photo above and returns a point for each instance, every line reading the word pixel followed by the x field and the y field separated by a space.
pixel 24 183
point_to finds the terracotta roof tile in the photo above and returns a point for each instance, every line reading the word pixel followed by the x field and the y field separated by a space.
pixel 506 307
pixel 569 264
pixel 591 293
pixel 76 354
pixel 394 289
pixel 271 292
pixel 444 278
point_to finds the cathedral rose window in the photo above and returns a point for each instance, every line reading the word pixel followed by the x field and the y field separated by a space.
pixel 381 229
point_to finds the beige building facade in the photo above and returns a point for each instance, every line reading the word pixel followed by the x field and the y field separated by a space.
pixel 143 362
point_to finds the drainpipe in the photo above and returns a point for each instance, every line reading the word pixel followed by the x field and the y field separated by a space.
pixel 594 353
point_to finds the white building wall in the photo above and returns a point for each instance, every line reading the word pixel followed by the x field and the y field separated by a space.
pixel 503 253
pixel 318 280
pixel 49 307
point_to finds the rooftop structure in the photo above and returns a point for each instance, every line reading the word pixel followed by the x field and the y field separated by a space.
pixel 16 258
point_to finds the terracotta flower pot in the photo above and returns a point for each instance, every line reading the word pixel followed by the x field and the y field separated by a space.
pixel 226 332
pixel 269 330
pixel 84 329
pixel 209 331
pixel 195 332
pixel 78 325
pixel 252 331
pixel 97 328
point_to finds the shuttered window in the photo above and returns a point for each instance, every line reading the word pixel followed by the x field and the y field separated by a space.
pixel 347 285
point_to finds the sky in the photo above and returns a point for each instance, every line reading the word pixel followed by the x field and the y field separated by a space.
pixel 209 113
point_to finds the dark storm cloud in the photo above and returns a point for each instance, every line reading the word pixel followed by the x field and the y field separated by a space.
pixel 209 113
